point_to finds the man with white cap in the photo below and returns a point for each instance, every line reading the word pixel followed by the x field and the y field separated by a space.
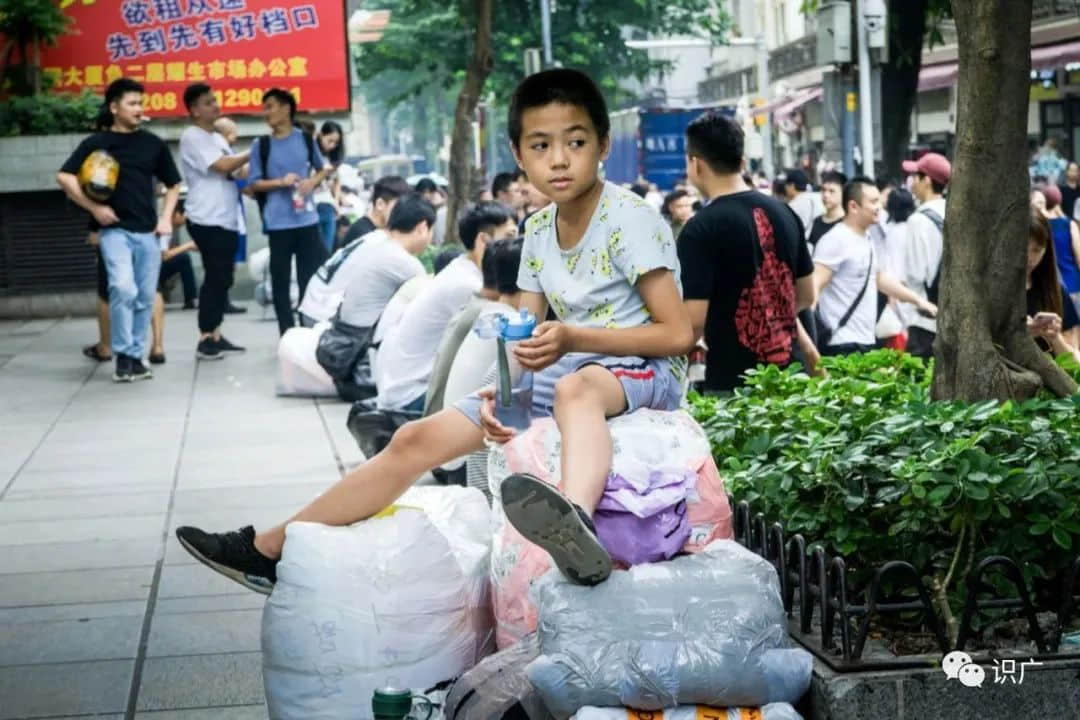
pixel 925 246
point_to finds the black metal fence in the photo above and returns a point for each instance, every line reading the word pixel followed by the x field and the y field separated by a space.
pixel 812 583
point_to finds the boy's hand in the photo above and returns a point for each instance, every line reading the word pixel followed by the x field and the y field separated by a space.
pixel 164 226
pixel 550 341
pixel 494 431
pixel 104 215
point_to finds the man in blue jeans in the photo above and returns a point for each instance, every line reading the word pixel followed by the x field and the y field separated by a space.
pixel 286 167
pixel 130 225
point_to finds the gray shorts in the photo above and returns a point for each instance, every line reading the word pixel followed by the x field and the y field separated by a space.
pixel 648 383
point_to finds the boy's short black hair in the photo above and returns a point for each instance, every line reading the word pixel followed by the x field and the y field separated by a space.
pixel 718 140
pixel 426 185
pixel 409 211
pixel 481 216
pixel 834 177
pixel 798 178
pixel 853 190
pixel 390 187
pixel 193 92
pixel 502 183
pixel 282 96
pixel 559 85
pixel 507 259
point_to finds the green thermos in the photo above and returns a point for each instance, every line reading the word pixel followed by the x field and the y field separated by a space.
pixel 393 704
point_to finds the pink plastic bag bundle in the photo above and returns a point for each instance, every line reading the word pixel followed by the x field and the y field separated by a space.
pixel 664 495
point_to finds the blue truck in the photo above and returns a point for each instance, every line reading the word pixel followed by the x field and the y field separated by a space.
pixel 650 143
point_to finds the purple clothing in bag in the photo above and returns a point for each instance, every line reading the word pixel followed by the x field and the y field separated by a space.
pixel 645 522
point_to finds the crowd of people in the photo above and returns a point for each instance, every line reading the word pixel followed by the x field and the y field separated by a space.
pixel 625 283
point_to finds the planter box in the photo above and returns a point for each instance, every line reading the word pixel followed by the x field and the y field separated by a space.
pixel 1051 690
pixel 30 163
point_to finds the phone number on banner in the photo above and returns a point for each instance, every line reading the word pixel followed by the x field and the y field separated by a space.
pixel 228 99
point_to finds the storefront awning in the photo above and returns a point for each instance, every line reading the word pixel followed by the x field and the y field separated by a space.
pixel 1047 57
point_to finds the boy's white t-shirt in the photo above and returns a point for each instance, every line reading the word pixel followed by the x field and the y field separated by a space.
pixel 212 197
pixel 474 360
pixel 594 283
pixel 849 256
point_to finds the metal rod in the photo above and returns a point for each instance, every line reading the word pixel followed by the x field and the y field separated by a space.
pixel 866 117
pixel 765 90
pixel 545 29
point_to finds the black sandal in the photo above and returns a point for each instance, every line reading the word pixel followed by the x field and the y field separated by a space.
pixel 157 359
pixel 92 352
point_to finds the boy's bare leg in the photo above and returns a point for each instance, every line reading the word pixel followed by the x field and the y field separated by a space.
pixel 561 523
pixel 584 400
pixel 415 448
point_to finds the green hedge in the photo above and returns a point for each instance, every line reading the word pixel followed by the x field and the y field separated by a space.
pixel 864 462
pixel 49 114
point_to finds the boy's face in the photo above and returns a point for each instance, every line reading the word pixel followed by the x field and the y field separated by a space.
pixel 831 196
pixel 128 110
pixel 205 108
pixel 560 150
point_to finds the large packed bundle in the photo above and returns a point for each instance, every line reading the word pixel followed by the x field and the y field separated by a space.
pixel 400 599
pixel 664 496
pixel 705 629
pixel 298 372
pixel 773 711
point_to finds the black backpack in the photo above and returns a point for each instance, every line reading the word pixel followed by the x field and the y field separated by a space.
pixel 264 157
pixel 939 223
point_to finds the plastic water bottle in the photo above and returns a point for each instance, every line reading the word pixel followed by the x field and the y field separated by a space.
pixel 513 383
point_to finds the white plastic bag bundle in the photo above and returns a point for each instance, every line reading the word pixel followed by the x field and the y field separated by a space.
pixel 400 599
pixel 774 711
pixel 706 629
pixel 298 372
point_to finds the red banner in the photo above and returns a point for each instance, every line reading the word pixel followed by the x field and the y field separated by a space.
pixel 239 47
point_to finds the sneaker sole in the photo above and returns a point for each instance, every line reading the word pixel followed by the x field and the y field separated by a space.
pixel 547 519
pixel 233 574
pixel 147 376
pixel 207 356
pixel 122 378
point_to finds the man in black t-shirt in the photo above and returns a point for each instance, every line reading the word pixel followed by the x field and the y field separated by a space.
pixel 129 221
pixel 746 270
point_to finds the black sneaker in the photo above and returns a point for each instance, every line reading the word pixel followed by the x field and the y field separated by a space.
pixel 545 517
pixel 139 371
pixel 208 350
pixel 231 309
pixel 232 554
pixel 122 371
pixel 189 305
pixel 226 346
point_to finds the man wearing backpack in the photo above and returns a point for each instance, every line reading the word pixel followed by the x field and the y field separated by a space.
pixel 286 167
pixel 925 246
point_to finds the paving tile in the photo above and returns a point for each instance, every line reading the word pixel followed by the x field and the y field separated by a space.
pixel 205 633
pixel 123 505
pixel 85 555
pixel 241 712
pixel 268 473
pixel 179 581
pixel 111 638
pixel 81 529
pixel 30 482
pixel 248 497
pixel 201 681
pixel 76 586
pixel 205 603
pixel 73 611
pixel 66 689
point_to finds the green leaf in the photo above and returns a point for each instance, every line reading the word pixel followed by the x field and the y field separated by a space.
pixel 976 492
pixel 1062 538
pixel 940 494
pixel 918 491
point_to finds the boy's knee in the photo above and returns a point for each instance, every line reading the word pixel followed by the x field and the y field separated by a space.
pixel 571 388
pixel 409 437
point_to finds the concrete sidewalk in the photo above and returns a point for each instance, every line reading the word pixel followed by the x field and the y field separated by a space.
pixel 102 614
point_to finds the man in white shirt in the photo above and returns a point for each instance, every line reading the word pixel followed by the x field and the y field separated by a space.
pixel 847 276
pixel 806 205
pixel 361 277
pixel 407 354
pixel 925 246
pixel 207 163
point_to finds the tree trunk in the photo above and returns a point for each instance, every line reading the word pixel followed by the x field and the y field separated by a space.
pixel 900 80
pixel 460 170
pixel 33 68
pixel 983 350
